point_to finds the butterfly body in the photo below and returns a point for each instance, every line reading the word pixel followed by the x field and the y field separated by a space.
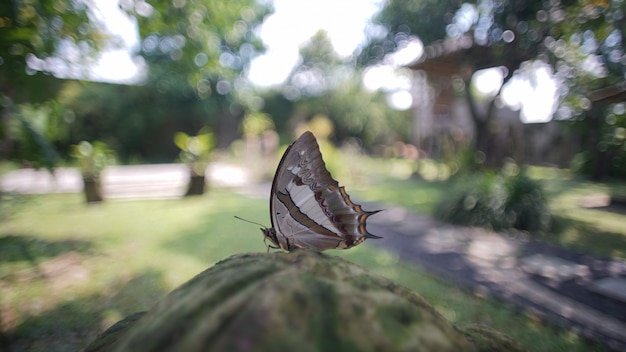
pixel 308 208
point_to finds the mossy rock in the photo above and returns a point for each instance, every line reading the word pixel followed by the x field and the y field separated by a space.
pixel 300 301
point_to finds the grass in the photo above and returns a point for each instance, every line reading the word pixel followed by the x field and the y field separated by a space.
pixel 6 166
pixel 68 271
pixel 594 230
pixel 462 307
pixel 113 259
pixel 589 230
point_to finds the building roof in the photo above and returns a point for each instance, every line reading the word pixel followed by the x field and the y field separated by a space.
pixel 609 95
pixel 447 56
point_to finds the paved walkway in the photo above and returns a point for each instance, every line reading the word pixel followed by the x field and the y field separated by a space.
pixel 122 182
pixel 574 290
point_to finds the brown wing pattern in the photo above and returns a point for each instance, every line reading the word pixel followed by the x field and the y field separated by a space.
pixel 308 208
pixel 305 153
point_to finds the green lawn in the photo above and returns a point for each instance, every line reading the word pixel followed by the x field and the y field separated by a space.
pixel 68 271
pixel 590 230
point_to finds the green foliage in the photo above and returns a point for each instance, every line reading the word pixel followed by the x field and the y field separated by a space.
pixel 134 120
pixel 33 35
pixel 199 47
pixel 319 70
pixel 353 111
pixel 597 230
pixel 585 54
pixel 195 52
pixel 465 161
pixel 531 26
pixel 399 19
pixel 357 112
pixel 477 201
pixel 10 204
pixel 35 38
pixel 195 151
pixel 605 134
pixel 92 157
pixel 496 201
pixel 34 128
pixel 526 205
pixel 323 84
pixel 255 123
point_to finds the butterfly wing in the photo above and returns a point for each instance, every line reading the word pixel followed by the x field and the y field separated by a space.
pixel 308 208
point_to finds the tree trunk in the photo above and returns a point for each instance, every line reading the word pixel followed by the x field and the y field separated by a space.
pixel 486 127
pixel 197 185
pixel 482 134
pixel 600 161
pixel 92 190
pixel 228 127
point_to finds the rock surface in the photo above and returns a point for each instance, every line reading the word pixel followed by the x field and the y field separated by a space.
pixel 299 301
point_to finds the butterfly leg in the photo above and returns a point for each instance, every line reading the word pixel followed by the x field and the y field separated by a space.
pixel 269 245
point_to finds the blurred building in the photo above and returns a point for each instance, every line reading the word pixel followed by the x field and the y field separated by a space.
pixel 442 121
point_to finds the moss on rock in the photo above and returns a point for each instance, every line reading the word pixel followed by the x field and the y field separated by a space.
pixel 299 301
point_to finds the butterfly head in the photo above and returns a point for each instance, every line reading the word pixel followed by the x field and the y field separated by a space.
pixel 270 234
pixel 277 241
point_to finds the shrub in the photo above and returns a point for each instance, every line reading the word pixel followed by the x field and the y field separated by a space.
pixel 526 205
pixel 92 157
pixel 496 201
pixel 195 151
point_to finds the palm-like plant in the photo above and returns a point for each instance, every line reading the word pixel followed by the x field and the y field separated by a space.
pixel 195 151
pixel 92 159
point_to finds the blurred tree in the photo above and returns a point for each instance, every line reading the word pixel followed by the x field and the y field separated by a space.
pixel 485 21
pixel 92 159
pixel 279 107
pixel 604 135
pixel 327 85
pixel 582 41
pixel 320 68
pixel 138 122
pixel 40 41
pixel 34 128
pixel 356 112
pixel 198 51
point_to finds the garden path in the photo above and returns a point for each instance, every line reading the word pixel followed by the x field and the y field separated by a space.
pixel 574 290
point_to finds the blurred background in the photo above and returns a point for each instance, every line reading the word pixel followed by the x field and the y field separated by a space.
pixel 505 115
pixel 499 80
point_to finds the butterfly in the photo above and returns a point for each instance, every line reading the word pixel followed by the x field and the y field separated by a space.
pixel 308 208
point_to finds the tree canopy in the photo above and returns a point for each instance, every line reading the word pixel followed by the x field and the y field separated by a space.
pixel 582 41
pixel 196 53
pixel 325 85
pixel 199 45
pixel 41 40
pixel 515 29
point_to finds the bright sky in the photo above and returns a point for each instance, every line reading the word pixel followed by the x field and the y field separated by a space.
pixel 293 23
pixel 116 65
pixel 536 104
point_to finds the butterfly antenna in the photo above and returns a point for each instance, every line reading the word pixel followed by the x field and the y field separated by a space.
pixel 252 222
